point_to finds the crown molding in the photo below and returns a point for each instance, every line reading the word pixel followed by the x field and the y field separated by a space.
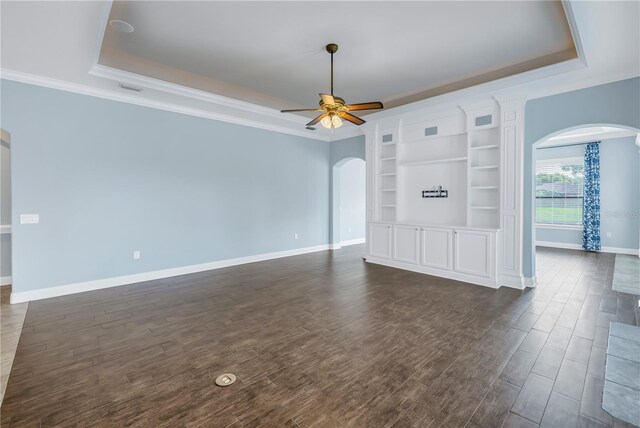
pixel 146 82
pixel 48 82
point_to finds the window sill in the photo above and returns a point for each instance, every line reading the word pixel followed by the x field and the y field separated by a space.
pixel 558 226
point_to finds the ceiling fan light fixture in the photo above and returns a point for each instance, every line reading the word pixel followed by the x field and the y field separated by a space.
pixel 326 122
pixel 333 108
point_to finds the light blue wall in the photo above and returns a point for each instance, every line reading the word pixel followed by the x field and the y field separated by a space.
pixel 352 200
pixel 616 103
pixel 619 194
pixel 341 152
pixel 108 178
pixel 5 208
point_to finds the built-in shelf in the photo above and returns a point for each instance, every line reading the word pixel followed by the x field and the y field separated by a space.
pixel 428 162
pixel 484 187
pixel 388 174
pixel 388 159
pixel 477 207
pixel 388 205
pixel 491 146
pixel 388 144
pixel 387 190
pixel 485 167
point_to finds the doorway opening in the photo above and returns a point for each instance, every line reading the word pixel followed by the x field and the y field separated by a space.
pixel 559 188
pixel 349 202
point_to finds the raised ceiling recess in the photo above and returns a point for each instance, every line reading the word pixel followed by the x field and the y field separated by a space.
pixel 273 53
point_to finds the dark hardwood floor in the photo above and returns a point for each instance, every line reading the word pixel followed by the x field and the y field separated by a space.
pixel 323 340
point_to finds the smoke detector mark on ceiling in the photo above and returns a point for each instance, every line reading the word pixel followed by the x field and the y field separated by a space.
pixel 122 26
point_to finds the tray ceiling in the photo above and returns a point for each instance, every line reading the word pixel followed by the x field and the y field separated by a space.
pixel 272 53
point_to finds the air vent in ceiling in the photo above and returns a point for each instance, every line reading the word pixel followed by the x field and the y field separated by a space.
pixel 130 88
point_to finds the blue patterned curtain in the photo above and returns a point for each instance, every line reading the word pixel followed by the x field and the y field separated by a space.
pixel 591 211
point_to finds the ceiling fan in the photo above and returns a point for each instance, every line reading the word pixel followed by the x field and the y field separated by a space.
pixel 334 108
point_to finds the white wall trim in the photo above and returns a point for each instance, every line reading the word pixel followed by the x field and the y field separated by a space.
pixel 79 287
pixel 5 229
pixel 567 246
pixel 47 82
pixel 442 273
pixel 352 242
pixel 197 94
pixel 5 280
pixel 531 282
pixel 511 281
pixel 564 245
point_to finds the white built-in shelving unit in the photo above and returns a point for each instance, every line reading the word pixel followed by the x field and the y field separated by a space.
pixel 460 151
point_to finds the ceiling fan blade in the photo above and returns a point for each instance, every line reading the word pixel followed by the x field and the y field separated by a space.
pixel 327 99
pixel 366 106
pixel 301 109
pixel 316 120
pixel 351 118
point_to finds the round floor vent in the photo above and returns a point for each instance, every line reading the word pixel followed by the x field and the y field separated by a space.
pixel 225 379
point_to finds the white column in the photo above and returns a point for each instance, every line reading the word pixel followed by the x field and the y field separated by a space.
pixel 510 264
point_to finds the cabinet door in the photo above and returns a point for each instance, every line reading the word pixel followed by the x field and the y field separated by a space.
pixel 406 244
pixel 437 248
pixel 380 240
pixel 473 252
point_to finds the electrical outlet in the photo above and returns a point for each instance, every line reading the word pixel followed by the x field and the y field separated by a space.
pixel 295 236
pixel 136 255
pixel 29 218
pixel 349 230
pixel 608 234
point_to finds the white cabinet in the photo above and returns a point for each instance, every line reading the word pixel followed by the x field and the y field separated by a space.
pixel 406 244
pixel 474 252
pixel 380 240
pixel 437 247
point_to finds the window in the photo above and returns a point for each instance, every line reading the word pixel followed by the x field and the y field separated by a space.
pixel 559 191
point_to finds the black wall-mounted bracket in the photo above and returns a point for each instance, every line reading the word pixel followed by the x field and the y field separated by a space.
pixel 435 193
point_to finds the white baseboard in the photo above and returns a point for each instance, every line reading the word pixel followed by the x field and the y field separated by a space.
pixel 443 273
pixel 346 243
pixel 79 287
pixel 511 281
pixel 5 280
pixel 616 250
pixel 564 245
pixel 531 282
pixel 352 242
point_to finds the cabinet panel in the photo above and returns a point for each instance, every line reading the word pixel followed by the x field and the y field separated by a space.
pixel 473 252
pixel 437 248
pixel 406 244
pixel 380 240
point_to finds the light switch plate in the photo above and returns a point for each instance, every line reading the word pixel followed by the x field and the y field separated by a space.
pixel 29 218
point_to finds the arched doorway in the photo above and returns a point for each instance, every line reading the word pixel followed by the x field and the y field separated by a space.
pixel 349 202
pixel 559 154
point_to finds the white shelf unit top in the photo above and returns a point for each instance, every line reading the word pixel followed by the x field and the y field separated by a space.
pixel 388 205
pixel 387 174
pixel 390 158
pixel 387 190
pixel 428 162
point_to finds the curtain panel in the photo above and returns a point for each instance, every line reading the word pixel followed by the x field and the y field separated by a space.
pixel 591 210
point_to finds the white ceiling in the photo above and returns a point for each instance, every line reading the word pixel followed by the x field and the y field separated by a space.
pixel 56 44
pixel 272 53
